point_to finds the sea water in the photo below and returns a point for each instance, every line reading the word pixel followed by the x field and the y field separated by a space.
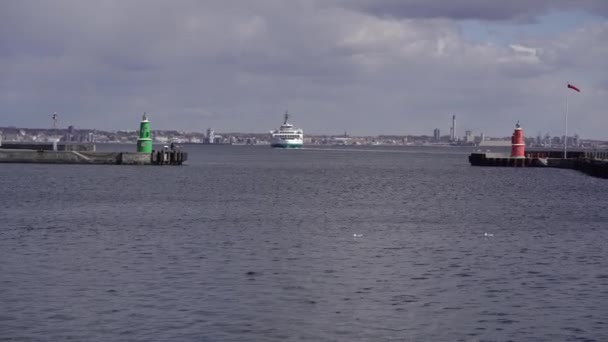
pixel 340 244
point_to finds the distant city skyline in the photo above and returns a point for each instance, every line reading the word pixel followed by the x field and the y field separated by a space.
pixel 89 135
pixel 368 67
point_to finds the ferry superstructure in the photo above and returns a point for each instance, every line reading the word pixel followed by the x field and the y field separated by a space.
pixel 287 136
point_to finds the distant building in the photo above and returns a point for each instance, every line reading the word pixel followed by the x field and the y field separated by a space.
pixel 437 134
pixel 495 143
pixel 468 136
pixel 69 134
pixel 340 141
pixel 210 139
pixel 161 139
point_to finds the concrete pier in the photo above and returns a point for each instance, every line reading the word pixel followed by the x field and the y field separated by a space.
pixel 171 157
pixel 593 163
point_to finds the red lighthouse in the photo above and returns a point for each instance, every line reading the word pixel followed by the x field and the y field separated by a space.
pixel 517 143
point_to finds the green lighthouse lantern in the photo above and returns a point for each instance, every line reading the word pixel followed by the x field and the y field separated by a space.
pixel 144 143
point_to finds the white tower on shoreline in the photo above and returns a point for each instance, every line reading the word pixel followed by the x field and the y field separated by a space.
pixel 453 129
pixel 210 136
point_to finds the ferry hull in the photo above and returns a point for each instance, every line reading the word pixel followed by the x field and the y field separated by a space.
pixel 284 145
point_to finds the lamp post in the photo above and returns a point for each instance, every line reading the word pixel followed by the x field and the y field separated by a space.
pixel 55 117
pixel 566 129
pixel 570 86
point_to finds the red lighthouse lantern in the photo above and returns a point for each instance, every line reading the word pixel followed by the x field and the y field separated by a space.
pixel 517 143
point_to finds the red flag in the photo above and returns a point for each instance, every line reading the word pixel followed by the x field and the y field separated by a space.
pixel 573 87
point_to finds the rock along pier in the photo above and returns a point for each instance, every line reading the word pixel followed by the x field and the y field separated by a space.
pixel 593 163
pixel 57 153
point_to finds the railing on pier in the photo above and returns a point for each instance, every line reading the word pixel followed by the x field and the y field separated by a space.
pixel 598 155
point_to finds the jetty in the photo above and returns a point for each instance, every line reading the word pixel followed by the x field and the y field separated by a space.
pixel 593 163
pixel 85 153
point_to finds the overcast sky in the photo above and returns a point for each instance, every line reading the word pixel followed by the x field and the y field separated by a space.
pixel 363 66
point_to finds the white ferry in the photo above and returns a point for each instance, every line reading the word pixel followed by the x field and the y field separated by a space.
pixel 287 136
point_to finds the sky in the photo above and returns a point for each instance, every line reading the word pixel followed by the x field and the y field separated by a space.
pixel 367 67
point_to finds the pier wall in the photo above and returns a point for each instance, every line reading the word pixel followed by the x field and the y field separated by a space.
pixel 593 163
pixel 56 157
pixel 169 157
pixel 576 154
pixel 89 157
pixel 135 158
pixel 591 167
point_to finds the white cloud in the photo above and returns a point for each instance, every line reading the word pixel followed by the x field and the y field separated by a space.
pixel 524 53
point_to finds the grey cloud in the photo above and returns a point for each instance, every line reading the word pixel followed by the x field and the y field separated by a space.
pixel 196 64
pixel 473 9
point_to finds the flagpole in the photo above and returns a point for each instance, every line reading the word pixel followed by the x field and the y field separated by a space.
pixel 566 128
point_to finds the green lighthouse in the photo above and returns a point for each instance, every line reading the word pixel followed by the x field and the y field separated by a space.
pixel 144 143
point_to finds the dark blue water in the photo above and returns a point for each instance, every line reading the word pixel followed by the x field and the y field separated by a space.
pixel 255 244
